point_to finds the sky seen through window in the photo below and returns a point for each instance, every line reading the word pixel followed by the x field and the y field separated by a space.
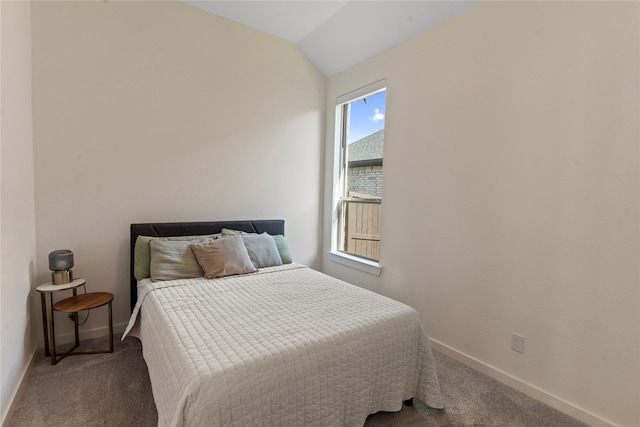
pixel 366 117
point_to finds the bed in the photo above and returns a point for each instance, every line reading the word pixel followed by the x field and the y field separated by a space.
pixel 282 345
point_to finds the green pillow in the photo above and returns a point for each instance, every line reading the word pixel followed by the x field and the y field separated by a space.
pixel 283 249
pixel 281 244
pixel 228 232
pixel 142 252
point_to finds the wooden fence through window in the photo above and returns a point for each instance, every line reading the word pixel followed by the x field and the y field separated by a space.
pixel 362 228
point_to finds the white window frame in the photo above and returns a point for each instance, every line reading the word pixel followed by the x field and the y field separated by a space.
pixel 363 264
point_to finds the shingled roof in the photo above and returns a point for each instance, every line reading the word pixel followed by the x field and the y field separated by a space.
pixel 367 150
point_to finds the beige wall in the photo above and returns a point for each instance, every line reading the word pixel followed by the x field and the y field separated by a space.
pixel 17 212
pixel 523 117
pixel 158 111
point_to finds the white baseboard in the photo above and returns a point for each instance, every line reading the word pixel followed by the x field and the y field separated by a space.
pixel 555 402
pixel 6 415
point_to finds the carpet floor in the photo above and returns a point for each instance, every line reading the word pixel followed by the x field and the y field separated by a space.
pixel 114 390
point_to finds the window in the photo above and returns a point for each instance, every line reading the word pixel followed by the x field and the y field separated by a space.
pixel 358 173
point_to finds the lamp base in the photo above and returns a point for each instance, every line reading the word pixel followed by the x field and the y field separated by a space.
pixel 62 277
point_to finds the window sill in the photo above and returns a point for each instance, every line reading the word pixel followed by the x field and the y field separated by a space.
pixel 371 267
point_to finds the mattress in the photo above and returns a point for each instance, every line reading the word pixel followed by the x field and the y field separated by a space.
pixel 286 346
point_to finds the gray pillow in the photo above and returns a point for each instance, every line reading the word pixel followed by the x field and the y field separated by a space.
pixel 173 259
pixel 223 257
pixel 281 243
pixel 262 250
pixel 142 252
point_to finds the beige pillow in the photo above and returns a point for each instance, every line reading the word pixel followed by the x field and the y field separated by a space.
pixel 224 257
pixel 142 252
pixel 172 259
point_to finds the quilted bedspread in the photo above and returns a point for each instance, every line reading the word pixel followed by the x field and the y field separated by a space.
pixel 286 346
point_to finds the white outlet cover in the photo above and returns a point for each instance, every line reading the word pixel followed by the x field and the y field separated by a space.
pixel 517 343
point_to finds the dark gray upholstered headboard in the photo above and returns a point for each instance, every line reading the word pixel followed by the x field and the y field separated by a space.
pixel 164 229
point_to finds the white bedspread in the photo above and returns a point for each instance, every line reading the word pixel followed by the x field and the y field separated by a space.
pixel 286 346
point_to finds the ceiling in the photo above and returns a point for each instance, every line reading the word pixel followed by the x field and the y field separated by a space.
pixel 336 35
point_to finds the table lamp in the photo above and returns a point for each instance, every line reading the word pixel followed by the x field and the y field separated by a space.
pixel 61 262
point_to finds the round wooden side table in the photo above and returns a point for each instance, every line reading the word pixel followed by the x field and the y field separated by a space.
pixel 78 303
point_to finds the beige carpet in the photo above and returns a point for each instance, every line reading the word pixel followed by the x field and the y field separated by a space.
pixel 114 390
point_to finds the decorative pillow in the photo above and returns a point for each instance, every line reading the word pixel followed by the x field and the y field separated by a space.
pixel 142 252
pixel 281 243
pixel 262 250
pixel 283 249
pixel 173 259
pixel 227 232
pixel 223 257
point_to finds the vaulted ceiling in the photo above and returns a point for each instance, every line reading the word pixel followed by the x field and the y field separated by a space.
pixel 336 35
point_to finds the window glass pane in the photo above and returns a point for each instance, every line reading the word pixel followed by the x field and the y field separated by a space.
pixel 361 201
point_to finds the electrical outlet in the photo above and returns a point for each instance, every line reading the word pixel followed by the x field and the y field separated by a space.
pixel 517 342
